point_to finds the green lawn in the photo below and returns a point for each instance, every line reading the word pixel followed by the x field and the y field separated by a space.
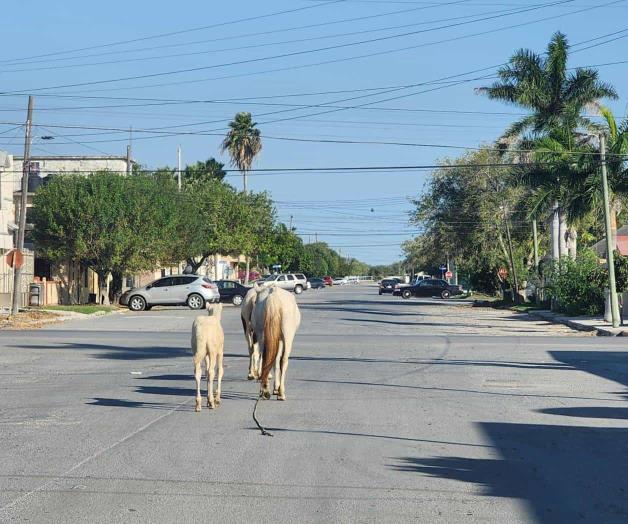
pixel 85 309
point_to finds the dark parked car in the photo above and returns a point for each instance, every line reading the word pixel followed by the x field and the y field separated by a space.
pixel 231 291
pixel 388 285
pixel 317 283
pixel 431 287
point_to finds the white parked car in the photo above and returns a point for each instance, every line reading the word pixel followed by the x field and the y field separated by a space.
pixel 340 281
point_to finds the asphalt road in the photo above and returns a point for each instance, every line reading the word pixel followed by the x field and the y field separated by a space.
pixel 397 411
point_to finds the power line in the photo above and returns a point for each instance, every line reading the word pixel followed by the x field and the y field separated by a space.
pixel 328 48
pixel 174 33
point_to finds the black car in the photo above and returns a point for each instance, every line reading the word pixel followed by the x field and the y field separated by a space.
pixel 231 291
pixel 388 285
pixel 431 287
pixel 317 283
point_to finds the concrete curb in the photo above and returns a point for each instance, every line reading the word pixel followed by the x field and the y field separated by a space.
pixel 580 324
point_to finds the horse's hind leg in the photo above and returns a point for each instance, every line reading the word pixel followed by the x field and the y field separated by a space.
pixel 278 370
pixel 197 378
pixel 285 355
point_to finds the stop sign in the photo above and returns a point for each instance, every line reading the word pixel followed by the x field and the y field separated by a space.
pixel 449 274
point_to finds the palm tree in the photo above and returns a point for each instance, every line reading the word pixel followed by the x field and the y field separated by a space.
pixel 556 99
pixel 616 154
pixel 543 86
pixel 243 143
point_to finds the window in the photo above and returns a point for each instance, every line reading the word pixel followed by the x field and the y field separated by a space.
pixel 228 285
pixel 290 277
pixel 300 276
pixel 282 278
pixel 185 281
pixel 164 282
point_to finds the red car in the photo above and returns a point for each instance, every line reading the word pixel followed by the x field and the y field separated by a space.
pixel 328 281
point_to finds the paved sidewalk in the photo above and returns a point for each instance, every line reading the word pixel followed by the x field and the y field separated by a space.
pixel 597 324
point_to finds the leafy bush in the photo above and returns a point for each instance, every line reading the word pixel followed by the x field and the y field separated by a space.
pixel 573 285
pixel 621 274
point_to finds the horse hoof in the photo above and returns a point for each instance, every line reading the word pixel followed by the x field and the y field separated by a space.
pixel 281 397
pixel 275 391
pixel 250 376
pixel 217 401
pixel 266 394
pixel 198 406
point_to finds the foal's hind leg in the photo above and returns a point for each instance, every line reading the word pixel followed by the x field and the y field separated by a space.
pixel 287 349
pixel 210 362
pixel 219 384
pixel 197 378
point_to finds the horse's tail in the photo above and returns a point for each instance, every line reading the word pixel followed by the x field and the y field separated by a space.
pixel 272 334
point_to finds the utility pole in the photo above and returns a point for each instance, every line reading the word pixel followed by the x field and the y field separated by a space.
pixel 128 160
pixel 515 285
pixel 610 256
pixel 26 167
pixel 316 237
pixel 179 167
pixel 291 222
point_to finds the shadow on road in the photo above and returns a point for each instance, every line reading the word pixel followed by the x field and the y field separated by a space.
pixel 567 474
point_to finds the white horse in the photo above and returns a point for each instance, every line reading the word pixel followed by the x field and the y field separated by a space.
pixel 208 344
pixel 275 320
pixel 246 311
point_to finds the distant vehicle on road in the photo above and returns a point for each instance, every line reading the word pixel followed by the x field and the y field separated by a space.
pixel 328 281
pixel 301 277
pixel 388 285
pixel 430 287
pixel 340 281
pixel 288 281
pixel 317 283
pixel 231 291
pixel 193 291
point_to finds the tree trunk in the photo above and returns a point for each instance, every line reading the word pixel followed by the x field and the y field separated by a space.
pixel 563 233
pixel 103 291
pixel 572 242
pixel 196 264
pixel 115 290
pixel 555 233
pixel 248 269
pixel 216 277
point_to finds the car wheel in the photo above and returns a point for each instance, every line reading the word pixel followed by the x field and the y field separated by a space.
pixel 137 303
pixel 298 289
pixel 406 293
pixel 236 300
pixel 195 301
pixel 445 294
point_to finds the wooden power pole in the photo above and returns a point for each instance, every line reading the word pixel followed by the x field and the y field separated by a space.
pixel 26 167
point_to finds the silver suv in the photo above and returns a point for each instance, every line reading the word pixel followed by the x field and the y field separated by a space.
pixel 288 281
pixel 193 291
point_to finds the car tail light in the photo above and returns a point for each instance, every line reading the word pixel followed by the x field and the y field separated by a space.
pixel 209 286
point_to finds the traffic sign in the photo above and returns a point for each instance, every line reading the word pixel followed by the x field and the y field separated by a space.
pixel 448 275
pixel 15 259
pixel 443 268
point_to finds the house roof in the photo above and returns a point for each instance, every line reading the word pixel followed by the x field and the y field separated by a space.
pixel 622 242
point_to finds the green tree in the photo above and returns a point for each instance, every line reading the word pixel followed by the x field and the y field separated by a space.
pixel 106 221
pixel 211 169
pixel 243 143
pixel 544 86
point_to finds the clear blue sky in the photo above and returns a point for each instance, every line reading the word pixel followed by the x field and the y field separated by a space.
pixel 362 214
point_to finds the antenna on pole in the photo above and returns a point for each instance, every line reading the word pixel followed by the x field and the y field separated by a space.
pixel 128 152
